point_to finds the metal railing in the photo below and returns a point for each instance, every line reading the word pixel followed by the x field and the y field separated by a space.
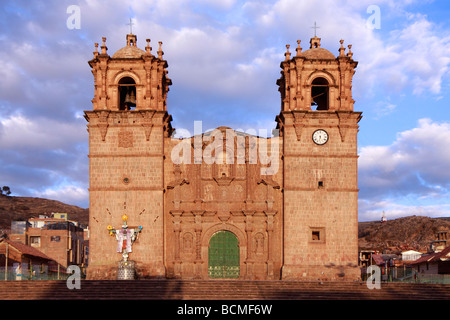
pixel 36 273
pixel 408 275
pixel 432 278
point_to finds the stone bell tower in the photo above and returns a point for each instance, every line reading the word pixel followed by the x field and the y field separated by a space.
pixel 319 132
pixel 127 127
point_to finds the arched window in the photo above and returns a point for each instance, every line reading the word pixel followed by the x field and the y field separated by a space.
pixel 127 93
pixel 319 94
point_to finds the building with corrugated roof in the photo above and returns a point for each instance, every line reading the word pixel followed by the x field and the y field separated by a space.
pixel 434 263
pixel 25 261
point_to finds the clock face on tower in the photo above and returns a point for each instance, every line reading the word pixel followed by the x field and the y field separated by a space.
pixel 320 137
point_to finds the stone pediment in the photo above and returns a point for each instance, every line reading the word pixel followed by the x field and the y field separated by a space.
pixel 176 183
pixel 224 180
pixel 269 182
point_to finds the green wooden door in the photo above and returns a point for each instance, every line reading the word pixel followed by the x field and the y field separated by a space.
pixel 223 256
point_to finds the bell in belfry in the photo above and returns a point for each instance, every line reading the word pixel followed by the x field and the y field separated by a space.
pixel 127 98
pixel 130 98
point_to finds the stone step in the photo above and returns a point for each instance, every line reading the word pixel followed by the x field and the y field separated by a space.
pixel 218 290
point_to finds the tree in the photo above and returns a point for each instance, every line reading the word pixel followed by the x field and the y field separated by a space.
pixel 6 190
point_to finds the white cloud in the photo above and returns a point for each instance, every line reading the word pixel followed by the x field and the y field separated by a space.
pixel 222 5
pixel 373 210
pixel 384 108
pixel 19 131
pixel 416 166
pixel 416 57
pixel 69 194
pixel 421 150
pixel 10 71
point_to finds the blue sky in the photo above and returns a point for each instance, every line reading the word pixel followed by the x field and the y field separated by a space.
pixel 224 61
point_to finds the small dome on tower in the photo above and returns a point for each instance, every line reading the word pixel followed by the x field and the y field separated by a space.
pixel 316 52
pixel 130 51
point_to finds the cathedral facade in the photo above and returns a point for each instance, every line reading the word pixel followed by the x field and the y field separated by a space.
pixel 225 204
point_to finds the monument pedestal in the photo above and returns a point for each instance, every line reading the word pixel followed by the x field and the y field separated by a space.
pixel 126 270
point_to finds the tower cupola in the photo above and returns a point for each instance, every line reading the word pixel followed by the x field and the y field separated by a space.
pixel 130 79
pixel 315 79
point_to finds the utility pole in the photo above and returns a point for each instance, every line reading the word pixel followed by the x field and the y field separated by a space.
pixel 6 261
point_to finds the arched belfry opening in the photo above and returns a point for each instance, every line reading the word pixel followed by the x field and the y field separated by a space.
pixel 127 94
pixel 320 94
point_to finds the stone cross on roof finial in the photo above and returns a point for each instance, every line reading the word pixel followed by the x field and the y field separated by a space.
pixel 315 29
pixel 131 26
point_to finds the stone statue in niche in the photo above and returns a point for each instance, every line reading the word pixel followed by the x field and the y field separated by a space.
pixel 258 244
pixel 208 192
pixel 239 191
pixel 188 242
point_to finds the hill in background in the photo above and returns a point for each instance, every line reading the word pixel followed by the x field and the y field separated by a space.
pixel 393 236
pixel 23 208
pixel 408 233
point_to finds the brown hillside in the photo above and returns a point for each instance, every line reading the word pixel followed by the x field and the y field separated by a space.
pixel 23 208
pixel 414 232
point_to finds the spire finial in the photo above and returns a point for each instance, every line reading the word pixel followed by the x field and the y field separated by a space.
pixel 298 49
pixel 341 49
pixel 104 48
pixel 131 40
pixel 287 54
pixel 314 43
pixel 160 52
pixel 96 49
pixel 350 53
pixel 148 48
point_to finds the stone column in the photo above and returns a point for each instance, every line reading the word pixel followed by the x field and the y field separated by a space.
pixel 177 229
pixel 198 243
pixel 249 229
pixel 269 221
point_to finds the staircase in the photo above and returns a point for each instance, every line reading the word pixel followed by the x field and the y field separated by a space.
pixel 218 290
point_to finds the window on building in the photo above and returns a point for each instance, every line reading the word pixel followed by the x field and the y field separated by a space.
pixel 35 241
pixel 55 238
pixel 317 235
pixel 319 94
